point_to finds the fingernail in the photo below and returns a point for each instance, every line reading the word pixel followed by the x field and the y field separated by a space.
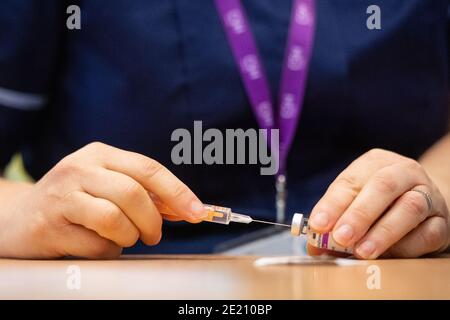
pixel 343 234
pixel 366 249
pixel 198 210
pixel 319 221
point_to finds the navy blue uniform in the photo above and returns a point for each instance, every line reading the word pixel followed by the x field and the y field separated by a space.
pixel 139 69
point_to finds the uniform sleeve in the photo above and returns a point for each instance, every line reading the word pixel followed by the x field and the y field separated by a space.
pixel 448 44
pixel 31 34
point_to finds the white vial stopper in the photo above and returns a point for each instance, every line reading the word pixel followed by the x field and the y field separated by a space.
pixel 297 224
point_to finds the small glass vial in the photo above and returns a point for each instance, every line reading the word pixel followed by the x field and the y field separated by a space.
pixel 300 226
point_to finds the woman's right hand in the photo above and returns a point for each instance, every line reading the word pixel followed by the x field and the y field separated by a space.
pixel 91 204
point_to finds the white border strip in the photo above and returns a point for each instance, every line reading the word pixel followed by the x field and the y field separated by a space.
pixel 21 100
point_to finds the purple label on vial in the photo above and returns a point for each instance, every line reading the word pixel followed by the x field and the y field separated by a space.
pixel 325 240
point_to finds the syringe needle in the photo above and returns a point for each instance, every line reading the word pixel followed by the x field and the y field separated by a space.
pixel 272 223
pixel 224 215
pixel 243 218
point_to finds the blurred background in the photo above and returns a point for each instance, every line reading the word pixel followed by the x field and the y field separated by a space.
pixel 16 171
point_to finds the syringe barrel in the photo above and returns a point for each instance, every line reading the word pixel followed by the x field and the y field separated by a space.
pixel 218 214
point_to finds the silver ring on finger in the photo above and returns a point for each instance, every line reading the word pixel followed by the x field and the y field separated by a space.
pixel 427 197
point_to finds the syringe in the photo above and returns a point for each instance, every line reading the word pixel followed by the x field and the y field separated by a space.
pixel 224 215
pixel 298 227
pixel 216 214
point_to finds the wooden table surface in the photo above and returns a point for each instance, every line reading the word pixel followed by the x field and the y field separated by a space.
pixel 221 277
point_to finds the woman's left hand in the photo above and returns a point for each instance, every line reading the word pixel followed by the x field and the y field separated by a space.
pixel 385 205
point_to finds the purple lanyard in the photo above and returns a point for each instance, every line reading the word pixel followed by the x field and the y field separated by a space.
pixel 293 78
pixel 294 74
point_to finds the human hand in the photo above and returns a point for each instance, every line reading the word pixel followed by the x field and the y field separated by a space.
pixel 93 203
pixel 371 205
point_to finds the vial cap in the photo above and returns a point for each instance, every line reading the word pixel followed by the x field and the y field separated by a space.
pixel 297 224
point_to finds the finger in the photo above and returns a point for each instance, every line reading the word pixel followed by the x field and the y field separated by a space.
pixel 101 216
pixel 81 242
pixel 346 187
pixel 380 191
pixel 171 218
pixel 429 237
pixel 130 197
pixel 167 212
pixel 164 209
pixel 405 215
pixel 333 203
pixel 152 176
